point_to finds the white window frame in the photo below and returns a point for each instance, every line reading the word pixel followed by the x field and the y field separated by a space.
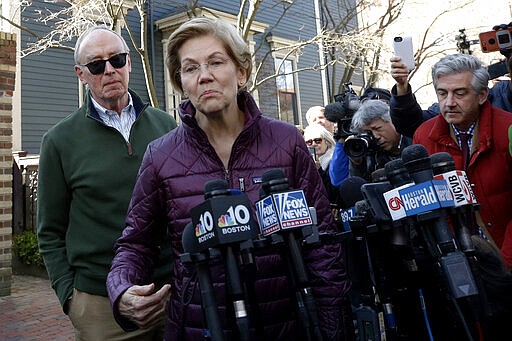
pixel 281 48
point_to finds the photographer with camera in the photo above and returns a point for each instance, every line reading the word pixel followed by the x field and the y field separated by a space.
pixel 376 140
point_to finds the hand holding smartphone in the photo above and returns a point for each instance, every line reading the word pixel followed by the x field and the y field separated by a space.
pixel 403 49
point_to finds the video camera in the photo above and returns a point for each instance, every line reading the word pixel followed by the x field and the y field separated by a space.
pixel 496 40
pixel 342 110
pixel 360 145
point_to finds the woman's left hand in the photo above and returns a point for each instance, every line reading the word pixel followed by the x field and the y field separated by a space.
pixel 144 307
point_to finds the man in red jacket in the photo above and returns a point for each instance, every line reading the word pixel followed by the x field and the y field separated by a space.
pixel 468 121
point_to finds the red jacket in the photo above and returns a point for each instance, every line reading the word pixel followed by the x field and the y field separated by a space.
pixel 490 167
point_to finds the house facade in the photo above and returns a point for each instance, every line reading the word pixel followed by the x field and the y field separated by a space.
pixel 47 88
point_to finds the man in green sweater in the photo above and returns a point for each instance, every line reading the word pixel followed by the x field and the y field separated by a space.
pixel 88 165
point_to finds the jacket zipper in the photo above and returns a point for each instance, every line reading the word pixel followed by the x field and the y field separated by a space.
pixel 128 144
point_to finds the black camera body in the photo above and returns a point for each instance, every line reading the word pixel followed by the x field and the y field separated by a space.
pixel 342 110
pixel 346 105
pixel 359 145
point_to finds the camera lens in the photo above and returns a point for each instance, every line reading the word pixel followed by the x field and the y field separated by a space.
pixel 398 39
pixel 356 146
pixel 492 41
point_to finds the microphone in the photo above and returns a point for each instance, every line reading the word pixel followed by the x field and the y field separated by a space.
pixel 428 194
pixel 350 193
pixel 378 175
pixel 443 167
pixel 224 217
pixel 192 255
pixel 454 264
pixel 399 178
pixel 279 208
pixel 224 220
pixel 285 212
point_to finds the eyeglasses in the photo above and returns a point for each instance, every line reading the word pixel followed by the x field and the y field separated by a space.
pixel 98 66
pixel 317 141
pixel 212 65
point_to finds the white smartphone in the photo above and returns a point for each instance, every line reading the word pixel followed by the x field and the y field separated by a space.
pixel 403 49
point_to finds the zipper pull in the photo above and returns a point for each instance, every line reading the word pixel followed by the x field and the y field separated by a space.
pixel 241 184
pixel 129 146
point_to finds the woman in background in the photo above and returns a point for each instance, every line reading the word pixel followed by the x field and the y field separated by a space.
pixel 321 140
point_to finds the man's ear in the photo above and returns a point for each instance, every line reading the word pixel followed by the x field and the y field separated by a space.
pixel 482 96
pixel 129 62
pixel 80 73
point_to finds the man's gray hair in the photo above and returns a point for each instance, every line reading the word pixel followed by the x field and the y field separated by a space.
pixel 459 63
pixel 80 39
pixel 368 111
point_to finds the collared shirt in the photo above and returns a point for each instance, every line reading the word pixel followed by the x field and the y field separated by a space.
pixel 470 132
pixel 123 123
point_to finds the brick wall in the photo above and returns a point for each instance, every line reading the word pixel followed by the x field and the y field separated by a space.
pixel 7 74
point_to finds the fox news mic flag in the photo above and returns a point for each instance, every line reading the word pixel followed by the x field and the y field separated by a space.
pixel 282 210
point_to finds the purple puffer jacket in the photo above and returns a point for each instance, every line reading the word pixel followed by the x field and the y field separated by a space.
pixel 171 181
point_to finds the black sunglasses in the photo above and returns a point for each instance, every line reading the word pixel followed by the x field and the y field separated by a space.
pixel 318 140
pixel 98 66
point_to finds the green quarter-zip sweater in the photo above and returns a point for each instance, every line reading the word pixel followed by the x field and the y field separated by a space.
pixel 87 171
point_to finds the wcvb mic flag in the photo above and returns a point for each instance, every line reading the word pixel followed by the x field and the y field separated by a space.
pixel 459 187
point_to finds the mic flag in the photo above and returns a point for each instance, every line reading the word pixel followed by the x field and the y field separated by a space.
pixel 193 256
pixel 350 193
pixel 398 177
pixel 282 211
pixel 189 240
pixel 458 182
pixel 345 216
pixel 223 218
pixel 428 194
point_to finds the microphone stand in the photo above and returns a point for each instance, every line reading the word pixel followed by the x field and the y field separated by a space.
pixel 274 184
pixel 236 291
pixel 200 261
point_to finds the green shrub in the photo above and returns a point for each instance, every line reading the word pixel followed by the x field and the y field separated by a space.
pixel 26 248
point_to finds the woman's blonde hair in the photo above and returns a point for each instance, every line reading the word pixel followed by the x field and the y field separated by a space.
pixel 236 47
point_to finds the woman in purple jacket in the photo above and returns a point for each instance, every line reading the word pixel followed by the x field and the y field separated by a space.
pixel 223 136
